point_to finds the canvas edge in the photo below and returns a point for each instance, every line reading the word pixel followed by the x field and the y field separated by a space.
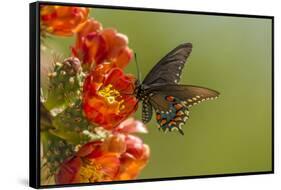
pixel 34 120
pixel 156 9
pixel 34 96
pixel 272 95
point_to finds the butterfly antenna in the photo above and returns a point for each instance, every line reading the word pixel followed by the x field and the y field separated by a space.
pixel 138 69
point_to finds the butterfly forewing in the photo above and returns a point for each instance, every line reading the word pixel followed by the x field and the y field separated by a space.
pixel 168 69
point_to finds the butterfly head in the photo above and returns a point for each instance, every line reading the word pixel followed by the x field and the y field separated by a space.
pixel 140 92
pixel 137 88
pixel 137 83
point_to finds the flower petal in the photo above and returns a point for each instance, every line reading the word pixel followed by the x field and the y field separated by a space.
pixel 130 166
pixel 108 96
pixel 89 148
pixel 123 58
pixel 131 125
pixel 62 20
pixel 68 171
pixel 115 143
pixel 95 45
pixel 109 164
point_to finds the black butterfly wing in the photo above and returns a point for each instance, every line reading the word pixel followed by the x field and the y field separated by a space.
pixel 170 113
pixel 190 94
pixel 168 69
pixel 171 103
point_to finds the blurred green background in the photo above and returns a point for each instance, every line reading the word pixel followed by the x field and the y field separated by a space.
pixel 231 55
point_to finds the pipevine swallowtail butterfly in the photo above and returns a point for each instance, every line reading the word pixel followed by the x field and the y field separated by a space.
pixel 171 101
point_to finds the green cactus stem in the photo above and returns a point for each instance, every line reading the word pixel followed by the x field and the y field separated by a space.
pixel 54 151
pixel 45 118
pixel 65 83
pixel 72 126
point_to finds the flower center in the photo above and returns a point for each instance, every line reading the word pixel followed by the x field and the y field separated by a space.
pixel 90 171
pixel 109 93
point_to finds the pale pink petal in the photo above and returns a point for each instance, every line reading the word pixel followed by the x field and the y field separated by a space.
pixel 131 126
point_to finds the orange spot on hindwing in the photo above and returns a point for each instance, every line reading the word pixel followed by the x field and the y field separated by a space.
pixel 178 106
pixel 158 117
pixel 170 98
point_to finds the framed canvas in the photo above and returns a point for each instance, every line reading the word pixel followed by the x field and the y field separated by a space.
pixel 121 94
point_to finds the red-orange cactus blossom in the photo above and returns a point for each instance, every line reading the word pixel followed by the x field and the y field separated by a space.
pixel 62 20
pixel 121 156
pixel 90 164
pixel 108 96
pixel 95 46
pixel 136 156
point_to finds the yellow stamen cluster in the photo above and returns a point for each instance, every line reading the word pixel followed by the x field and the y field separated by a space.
pixel 90 172
pixel 109 93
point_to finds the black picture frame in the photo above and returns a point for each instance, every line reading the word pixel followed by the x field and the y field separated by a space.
pixel 34 92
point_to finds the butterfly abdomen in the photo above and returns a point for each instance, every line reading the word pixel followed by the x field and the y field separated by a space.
pixel 143 96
